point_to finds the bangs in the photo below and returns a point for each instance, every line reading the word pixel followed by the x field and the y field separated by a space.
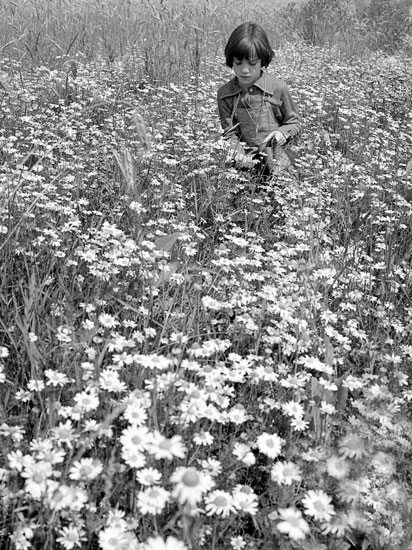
pixel 246 50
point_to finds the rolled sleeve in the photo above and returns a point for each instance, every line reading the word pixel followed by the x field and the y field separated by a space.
pixel 291 125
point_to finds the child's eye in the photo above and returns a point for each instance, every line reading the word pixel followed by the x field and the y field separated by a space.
pixel 239 62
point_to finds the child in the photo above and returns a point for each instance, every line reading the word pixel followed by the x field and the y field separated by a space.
pixel 257 113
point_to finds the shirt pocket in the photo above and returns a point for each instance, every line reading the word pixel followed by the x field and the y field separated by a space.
pixel 276 105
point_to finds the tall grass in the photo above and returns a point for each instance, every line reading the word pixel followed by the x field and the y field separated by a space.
pixel 169 40
pixel 188 359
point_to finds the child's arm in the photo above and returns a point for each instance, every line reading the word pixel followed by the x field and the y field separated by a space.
pixel 291 122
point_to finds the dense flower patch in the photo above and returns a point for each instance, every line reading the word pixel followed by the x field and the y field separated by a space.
pixel 189 359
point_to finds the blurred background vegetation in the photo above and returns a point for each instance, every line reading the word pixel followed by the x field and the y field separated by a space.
pixel 169 39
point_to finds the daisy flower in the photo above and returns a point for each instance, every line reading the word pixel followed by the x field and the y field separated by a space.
pixel 237 414
pixel 71 536
pixel 148 476
pixel 35 385
pixel 109 380
pixel 327 408
pixel 62 496
pixel 136 438
pixel 135 413
pixel 86 468
pixel 23 396
pixel 353 446
pixel 293 409
pixel 285 473
pixel 190 485
pixel 318 505
pixel 238 543
pixel 352 383
pixel 133 458
pixel 118 343
pixel 337 467
pixel 17 460
pixel 299 425
pixel 15 432
pixel 314 455
pixel 349 491
pixel 63 334
pixel 315 364
pixel 157 543
pixel 266 373
pixel 116 518
pixel 245 499
pixel 86 401
pixel 54 456
pixel 203 438
pixel 88 324
pixel 162 447
pixel 22 534
pixel 152 500
pixel 243 452
pixel 37 475
pixel 292 523
pixel 376 499
pixel 114 538
pixel 108 321
pixel 338 525
pixel 328 384
pixel 55 378
pixel 153 361
pixel 219 503
pixel 212 466
pixel 270 444
pixel 88 370
pixel 296 381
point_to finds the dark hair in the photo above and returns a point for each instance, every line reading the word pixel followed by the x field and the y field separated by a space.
pixel 248 41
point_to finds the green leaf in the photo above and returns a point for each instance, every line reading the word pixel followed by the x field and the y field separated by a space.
pixel 166 243
pixel 169 269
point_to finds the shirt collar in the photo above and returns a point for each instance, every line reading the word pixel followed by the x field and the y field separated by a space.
pixel 263 83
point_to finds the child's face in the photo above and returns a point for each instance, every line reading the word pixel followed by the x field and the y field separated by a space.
pixel 247 70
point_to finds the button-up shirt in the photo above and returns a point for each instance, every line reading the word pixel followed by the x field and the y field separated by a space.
pixel 267 89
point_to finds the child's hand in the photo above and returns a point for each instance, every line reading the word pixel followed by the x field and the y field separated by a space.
pixel 242 160
pixel 277 136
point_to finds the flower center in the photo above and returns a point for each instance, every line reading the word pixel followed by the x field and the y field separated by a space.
pixel 191 478
pixel 38 477
pixel 319 506
pixel 221 502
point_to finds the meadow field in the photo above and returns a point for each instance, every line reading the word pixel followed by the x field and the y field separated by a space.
pixel 190 360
